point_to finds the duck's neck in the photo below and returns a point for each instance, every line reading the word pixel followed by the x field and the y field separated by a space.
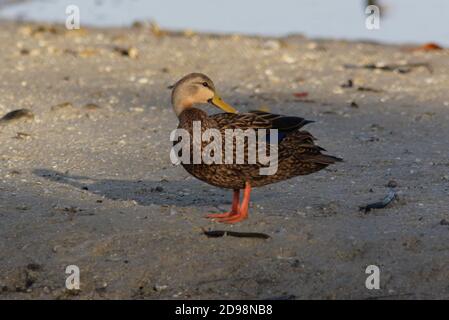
pixel 179 105
pixel 187 117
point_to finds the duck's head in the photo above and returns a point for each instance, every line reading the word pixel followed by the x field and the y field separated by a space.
pixel 194 89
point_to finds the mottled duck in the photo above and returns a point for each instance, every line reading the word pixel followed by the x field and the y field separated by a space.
pixel 297 153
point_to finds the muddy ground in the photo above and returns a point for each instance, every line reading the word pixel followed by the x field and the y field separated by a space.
pixel 88 181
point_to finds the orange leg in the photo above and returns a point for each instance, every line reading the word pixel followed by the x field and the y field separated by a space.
pixel 243 210
pixel 234 210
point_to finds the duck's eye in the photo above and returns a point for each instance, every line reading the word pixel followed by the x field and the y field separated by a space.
pixel 205 84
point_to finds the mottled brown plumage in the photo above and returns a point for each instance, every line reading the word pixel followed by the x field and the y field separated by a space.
pixel 297 152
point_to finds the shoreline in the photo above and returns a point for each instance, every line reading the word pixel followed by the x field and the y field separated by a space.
pixel 181 32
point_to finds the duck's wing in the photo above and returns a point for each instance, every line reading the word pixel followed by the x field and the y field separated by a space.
pixel 295 142
pixel 298 144
pixel 259 120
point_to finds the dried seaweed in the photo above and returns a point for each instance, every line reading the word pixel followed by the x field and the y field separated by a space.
pixel 222 233
pixel 380 204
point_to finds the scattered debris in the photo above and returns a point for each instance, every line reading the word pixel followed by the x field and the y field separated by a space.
pixel 157 189
pixel 347 84
pixel 301 94
pixel 271 45
pixel 350 84
pixel 368 89
pixel 431 46
pixel 354 104
pixel 138 24
pixel 24 52
pixel 399 68
pixel 160 288
pixel 62 106
pixel 392 184
pixel 38 30
pixel 381 204
pixel 101 287
pixel 91 106
pixel 71 209
pixel 188 33
pixel 34 267
pixel 156 30
pixel 84 53
pixel 131 52
pixel 20 114
pixel 22 136
pixel 88 52
pixel 222 233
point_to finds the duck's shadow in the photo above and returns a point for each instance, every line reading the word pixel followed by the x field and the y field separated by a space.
pixel 182 193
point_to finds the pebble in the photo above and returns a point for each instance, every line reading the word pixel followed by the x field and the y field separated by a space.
pixel 91 106
pixel 19 114
pixel 102 286
pixel 157 189
pixel 160 287
pixel 34 267
pixel 354 104
pixel 137 109
pixel 272 45
pixel 301 213
pixel 288 59
pixel 131 52
pixel 61 106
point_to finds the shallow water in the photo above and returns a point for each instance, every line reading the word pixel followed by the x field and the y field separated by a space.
pixel 401 21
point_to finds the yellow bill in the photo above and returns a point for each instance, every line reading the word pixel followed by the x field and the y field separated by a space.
pixel 218 102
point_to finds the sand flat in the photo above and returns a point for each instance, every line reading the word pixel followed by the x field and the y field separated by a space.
pixel 89 181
